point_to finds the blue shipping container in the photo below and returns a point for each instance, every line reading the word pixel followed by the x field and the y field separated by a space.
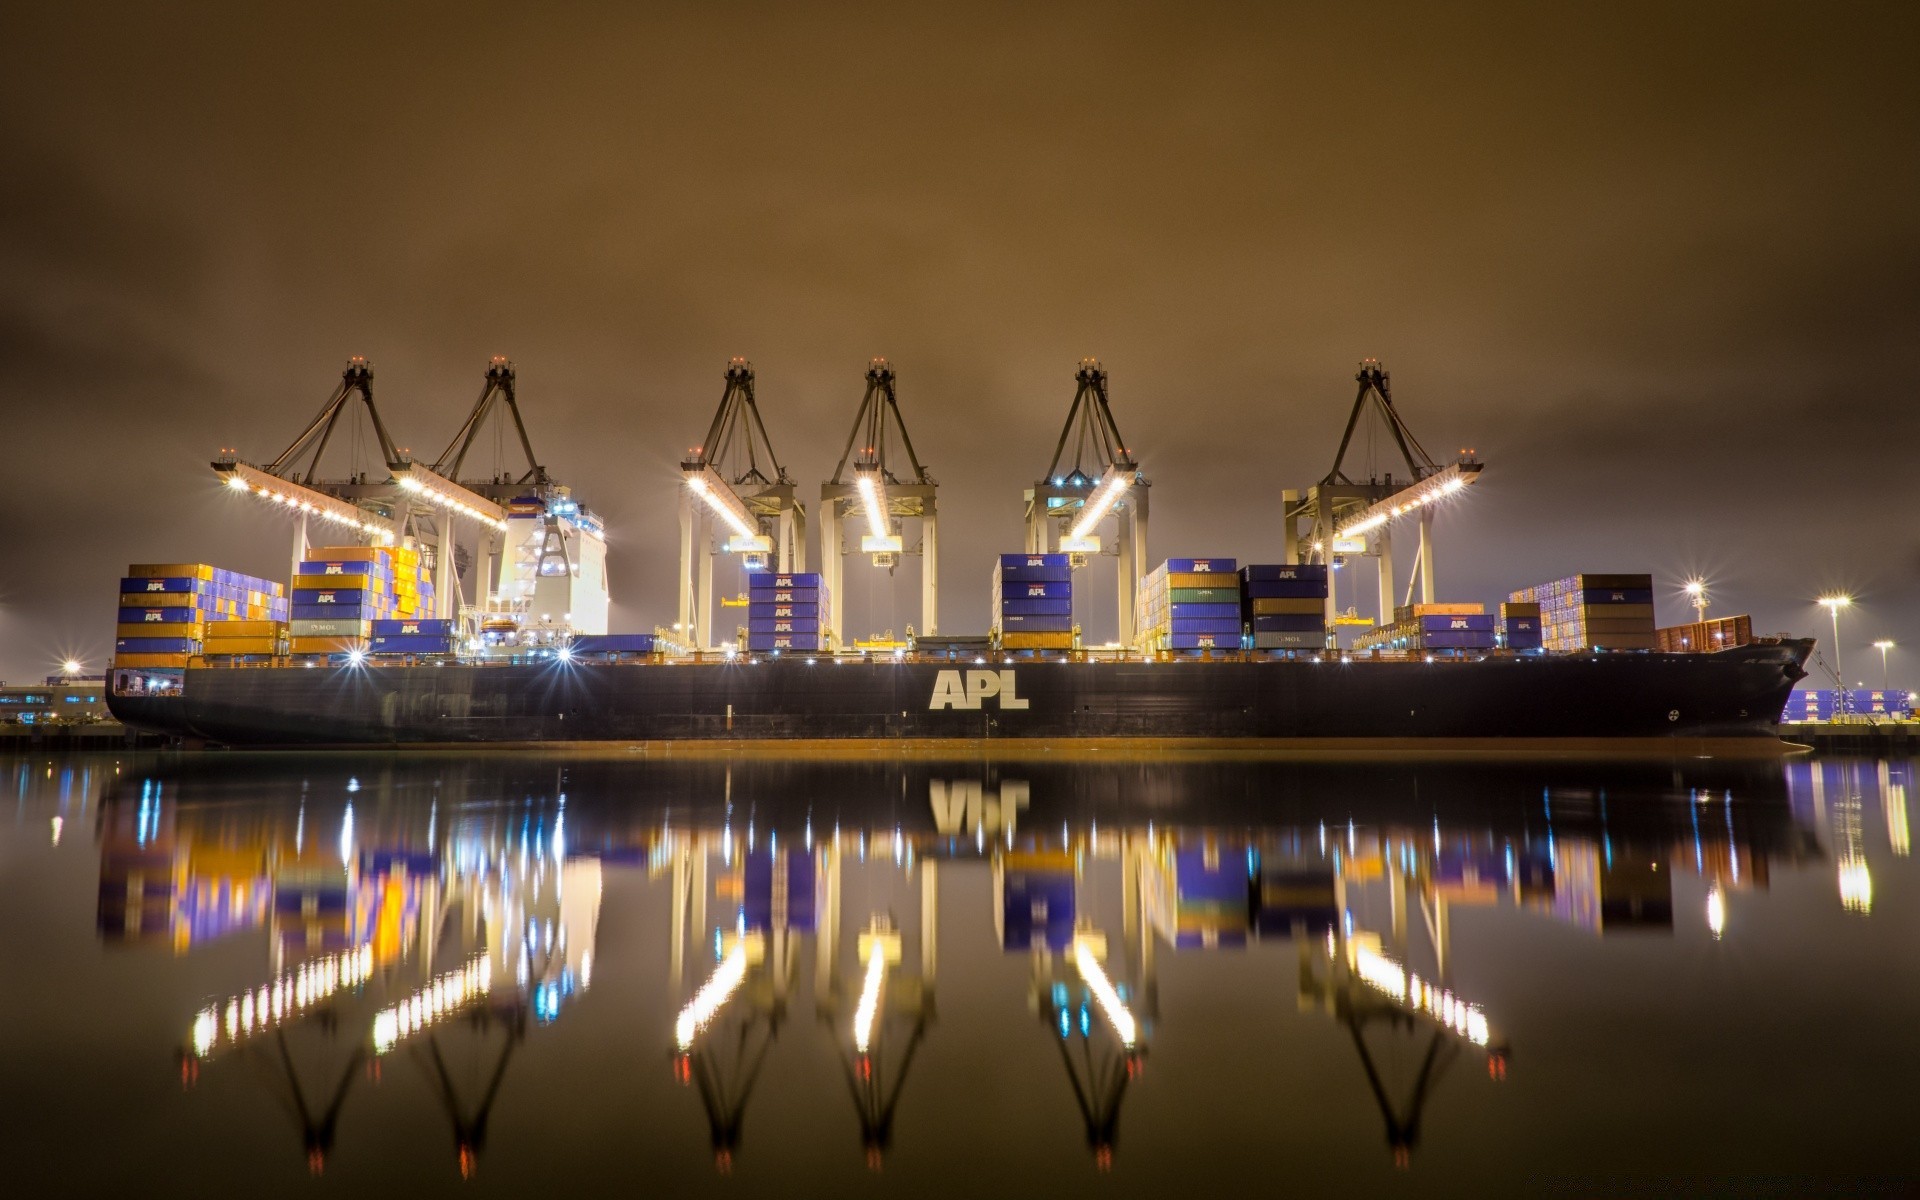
pixel 158 616
pixel 1523 639
pixel 1034 589
pixel 1285 589
pixel 789 625
pixel 783 612
pixel 163 584
pixel 155 646
pixel 332 596
pixel 810 595
pixel 413 627
pixel 1206 625
pixel 1482 622
pixel 1016 623
pixel 782 641
pixel 801 579
pixel 1203 641
pixel 1205 610
pixel 351 569
pixel 1037 608
pixel 1284 573
pixel 1617 596
pixel 1194 566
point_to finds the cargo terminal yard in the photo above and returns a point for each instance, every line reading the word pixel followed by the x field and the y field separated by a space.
pixel 413 580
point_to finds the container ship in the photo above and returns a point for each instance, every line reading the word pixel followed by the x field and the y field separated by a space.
pixel 1452 679
pixel 379 643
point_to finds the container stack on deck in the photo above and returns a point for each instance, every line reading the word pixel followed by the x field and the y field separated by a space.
pixel 1284 607
pixel 1704 637
pixel 341 591
pixel 787 612
pixel 1593 612
pixel 1033 601
pixel 1427 628
pixel 1826 704
pixel 1520 625
pixel 611 647
pixel 414 636
pixel 1191 604
pixel 168 611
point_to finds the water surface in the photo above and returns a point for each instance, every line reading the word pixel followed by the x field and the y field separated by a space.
pixel 504 973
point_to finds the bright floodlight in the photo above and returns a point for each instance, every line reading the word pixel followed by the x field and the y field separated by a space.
pixel 1883 645
pixel 72 665
pixel 1837 601
pixel 1696 587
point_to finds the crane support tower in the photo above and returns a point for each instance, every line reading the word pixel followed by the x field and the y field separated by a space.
pixel 545 555
pixel 1104 480
pixel 1340 516
pixel 867 485
pixel 736 489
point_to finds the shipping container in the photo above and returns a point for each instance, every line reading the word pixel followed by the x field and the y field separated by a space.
pixel 1212 595
pixel 1288 608
pixel 1036 589
pixel 332 627
pixel 416 627
pixel 1206 625
pixel 1287 589
pixel 791 625
pixel 613 643
pixel 1180 566
pixel 1284 572
pixel 1289 623
pixel 241 645
pixel 1289 641
pixel 1036 608
pixel 334 612
pixel 200 571
pixel 1032 568
pixel 1203 641
pixel 1699 637
pixel 154 629
pixel 1028 640
pixel 783 595
pixel 325 645
pixel 412 644
pixel 1017 623
pixel 783 582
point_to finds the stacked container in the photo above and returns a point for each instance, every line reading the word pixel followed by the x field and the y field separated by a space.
pixel 1824 704
pixel 1520 625
pixel 1427 628
pixel 1704 637
pixel 787 612
pixel 1593 612
pixel 433 638
pixel 341 591
pixel 1033 601
pixel 1191 604
pixel 167 609
pixel 1284 607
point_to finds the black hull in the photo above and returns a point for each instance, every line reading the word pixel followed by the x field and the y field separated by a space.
pixel 1646 697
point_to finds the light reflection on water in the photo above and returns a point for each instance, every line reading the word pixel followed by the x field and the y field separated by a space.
pixel 522 971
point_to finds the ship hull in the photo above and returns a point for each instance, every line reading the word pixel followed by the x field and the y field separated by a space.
pixel 1735 694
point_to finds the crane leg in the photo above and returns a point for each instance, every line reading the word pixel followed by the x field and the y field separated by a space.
pixel 930 572
pixel 1426 556
pixel 1385 545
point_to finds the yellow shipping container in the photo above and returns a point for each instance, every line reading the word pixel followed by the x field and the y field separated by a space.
pixel 179 629
pixel 240 645
pixel 157 599
pixel 253 628
pixel 140 661
pixel 1036 641
pixel 1191 579
pixel 325 645
pixel 199 571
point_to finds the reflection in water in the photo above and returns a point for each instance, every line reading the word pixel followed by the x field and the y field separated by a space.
pixel 463 899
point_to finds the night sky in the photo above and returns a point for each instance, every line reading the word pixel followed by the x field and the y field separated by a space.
pixel 1662 270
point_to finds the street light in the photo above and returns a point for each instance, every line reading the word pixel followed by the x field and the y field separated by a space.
pixel 73 667
pixel 1697 592
pixel 1883 646
pixel 1834 603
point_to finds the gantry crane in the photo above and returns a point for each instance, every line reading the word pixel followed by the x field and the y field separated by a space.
pixel 1104 480
pixel 384 507
pixel 728 483
pixel 550 555
pixel 884 497
pixel 1339 516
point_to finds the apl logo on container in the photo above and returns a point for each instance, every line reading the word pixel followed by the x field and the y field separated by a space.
pixel 156 615
pixel 156 585
pixel 1202 564
pixel 1037 589
pixel 783 598
pixel 1457 623
pixel 951 690
pixel 783 610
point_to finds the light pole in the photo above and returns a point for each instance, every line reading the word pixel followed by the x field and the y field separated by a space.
pixel 1697 592
pixel 1883 646
pixel 1834 603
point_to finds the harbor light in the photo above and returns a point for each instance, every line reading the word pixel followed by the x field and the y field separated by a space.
pixel 1696 589
pixel 1883 645
pixel 1833 603
pixel 73 666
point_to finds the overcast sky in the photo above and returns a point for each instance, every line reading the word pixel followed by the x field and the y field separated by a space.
pixel 1659 264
